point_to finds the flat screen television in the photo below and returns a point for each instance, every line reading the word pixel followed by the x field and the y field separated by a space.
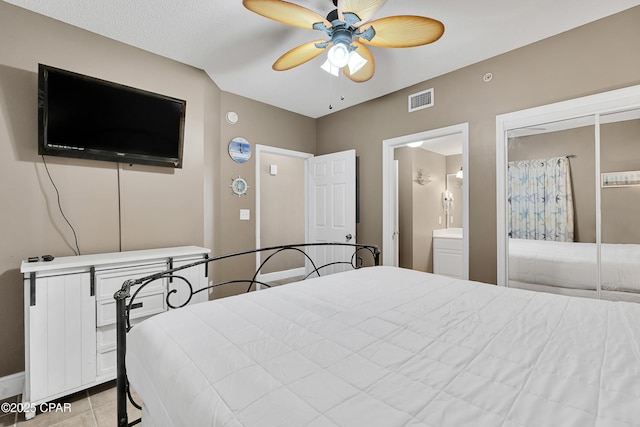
pixel 85 117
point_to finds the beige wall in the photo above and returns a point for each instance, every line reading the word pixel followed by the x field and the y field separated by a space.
pixel 420 206
pixel 281 209
pixel 111 207
pixel 260 124
pixel 405 205
pixel 454 185
pixel 594 58
pixel 157 206
pixel 194 205
pixel 427 206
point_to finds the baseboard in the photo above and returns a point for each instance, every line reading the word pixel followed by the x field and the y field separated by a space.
pixel 11 385
pixel 281 275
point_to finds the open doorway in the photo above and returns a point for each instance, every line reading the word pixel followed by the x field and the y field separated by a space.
pixel 425 187
pixel 280 220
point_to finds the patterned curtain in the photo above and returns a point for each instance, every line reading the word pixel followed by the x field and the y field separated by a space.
pixel 540 199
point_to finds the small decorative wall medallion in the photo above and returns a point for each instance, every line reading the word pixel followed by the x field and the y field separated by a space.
pixel 231 117
pixel 239 186
pixel 239 149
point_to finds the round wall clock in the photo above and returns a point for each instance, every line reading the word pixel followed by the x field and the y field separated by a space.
pixel 239 149
pixel 239 186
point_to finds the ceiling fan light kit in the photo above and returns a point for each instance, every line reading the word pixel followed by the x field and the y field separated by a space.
pixel 356 62
pixel 330 68
pixel 338 55
pixel 351 19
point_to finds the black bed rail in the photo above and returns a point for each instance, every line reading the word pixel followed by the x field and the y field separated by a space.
pixel 125 300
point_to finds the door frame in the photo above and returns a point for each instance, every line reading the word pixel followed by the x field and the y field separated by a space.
pixel 259 149
pixel 388 147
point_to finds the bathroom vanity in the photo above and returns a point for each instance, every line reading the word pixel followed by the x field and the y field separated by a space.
pixel 447 252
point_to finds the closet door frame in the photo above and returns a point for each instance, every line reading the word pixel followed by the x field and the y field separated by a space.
pixel 589 107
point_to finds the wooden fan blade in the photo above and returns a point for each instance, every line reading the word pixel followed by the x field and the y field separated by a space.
pixel 366 72
pixel 285 12
pixel 403 31
pixel 299 55
pixel 365 9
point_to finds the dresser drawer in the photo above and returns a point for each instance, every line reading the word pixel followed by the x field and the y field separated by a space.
pixel 143 306
pixel 107 282
pixel 106 363
pixel 106 336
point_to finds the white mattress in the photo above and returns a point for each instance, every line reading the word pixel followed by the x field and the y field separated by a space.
pixel 389 347
pixel 574 265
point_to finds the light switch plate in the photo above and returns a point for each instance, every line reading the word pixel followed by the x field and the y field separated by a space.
pixel 245 214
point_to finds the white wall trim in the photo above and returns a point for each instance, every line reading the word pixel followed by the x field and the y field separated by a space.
pixel 388 145
pixel 592 105
pixel 11 385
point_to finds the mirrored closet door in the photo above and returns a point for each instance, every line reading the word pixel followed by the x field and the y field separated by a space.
pixel 620 204
pixel 551 207
pixel 568 189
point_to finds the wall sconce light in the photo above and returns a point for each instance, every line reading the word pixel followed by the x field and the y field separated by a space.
pixel 459 174
pixel 423 178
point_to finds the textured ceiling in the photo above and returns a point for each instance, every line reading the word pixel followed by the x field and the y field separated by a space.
pixel 236 47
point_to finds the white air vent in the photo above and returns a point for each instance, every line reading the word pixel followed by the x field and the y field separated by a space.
pixel 420 100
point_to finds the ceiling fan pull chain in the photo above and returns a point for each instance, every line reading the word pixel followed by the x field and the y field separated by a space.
pixel 330 91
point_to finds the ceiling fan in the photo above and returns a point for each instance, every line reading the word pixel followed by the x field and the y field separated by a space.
pixel 349 29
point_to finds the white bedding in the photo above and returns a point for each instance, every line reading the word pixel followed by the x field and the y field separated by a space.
pixel 389 347
pixel 573 265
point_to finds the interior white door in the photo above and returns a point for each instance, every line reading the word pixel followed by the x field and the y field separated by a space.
pixel 331 190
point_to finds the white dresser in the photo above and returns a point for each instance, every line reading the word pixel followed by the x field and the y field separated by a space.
pixel 70 338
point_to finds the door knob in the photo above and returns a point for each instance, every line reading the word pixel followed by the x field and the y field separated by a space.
pixel 348 237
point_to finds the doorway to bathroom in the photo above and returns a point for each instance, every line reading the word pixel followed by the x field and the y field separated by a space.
pixel 425 199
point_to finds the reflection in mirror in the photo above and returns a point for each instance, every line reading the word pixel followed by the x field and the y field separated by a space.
pixel 620 200
pixel 551 202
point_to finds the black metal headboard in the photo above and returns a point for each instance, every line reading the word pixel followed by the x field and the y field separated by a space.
pixel 360 256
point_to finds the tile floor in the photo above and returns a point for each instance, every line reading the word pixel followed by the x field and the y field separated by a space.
pixel 95 407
